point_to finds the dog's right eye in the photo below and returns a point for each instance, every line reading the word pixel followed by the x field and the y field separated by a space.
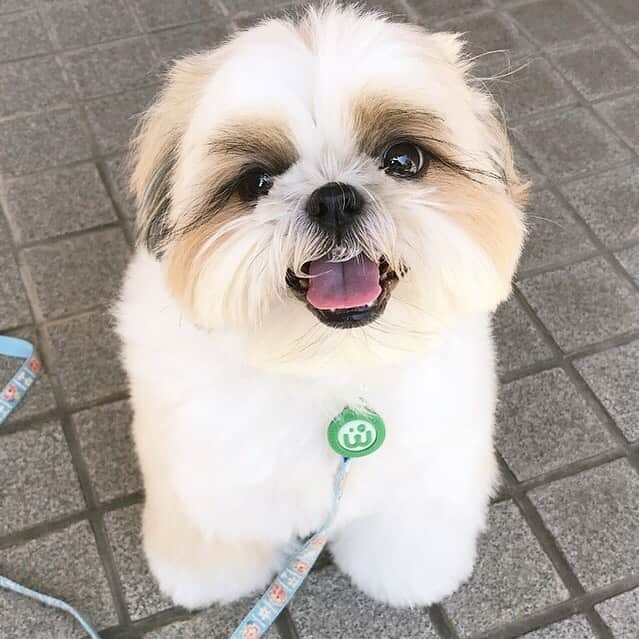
pixel 403 160
pixel 254 184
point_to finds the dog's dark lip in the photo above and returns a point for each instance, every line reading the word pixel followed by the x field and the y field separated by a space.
pixel 347 317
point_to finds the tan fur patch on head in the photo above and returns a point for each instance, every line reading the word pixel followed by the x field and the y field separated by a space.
pixel 190 249
pixel 487 215
pixel 154 149
pixel 237 147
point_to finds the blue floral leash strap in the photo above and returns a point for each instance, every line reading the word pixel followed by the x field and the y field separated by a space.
pixel 351 434
pixel 21 381
pixel 10 396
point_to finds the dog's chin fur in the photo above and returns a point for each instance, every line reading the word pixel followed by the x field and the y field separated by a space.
pixel 234 380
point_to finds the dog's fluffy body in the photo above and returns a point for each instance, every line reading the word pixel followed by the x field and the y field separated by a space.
pixel 234 380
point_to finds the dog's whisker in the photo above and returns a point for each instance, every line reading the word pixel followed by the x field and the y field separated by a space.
pixel 546 219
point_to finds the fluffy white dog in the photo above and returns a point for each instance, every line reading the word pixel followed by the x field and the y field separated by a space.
pixel 328 214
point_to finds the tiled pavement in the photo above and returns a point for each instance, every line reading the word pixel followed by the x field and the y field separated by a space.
pixel 561 557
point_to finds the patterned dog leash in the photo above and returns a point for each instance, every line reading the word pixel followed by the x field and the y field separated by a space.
pixel 351 434
pixel 11 395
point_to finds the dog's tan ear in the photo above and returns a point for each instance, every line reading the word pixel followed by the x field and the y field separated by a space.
pixel 517 184
pixel 155 146
pixel 451 47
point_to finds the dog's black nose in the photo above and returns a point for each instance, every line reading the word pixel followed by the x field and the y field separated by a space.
pixel 334 206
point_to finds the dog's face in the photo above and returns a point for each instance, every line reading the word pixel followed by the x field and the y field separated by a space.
pixel 335 173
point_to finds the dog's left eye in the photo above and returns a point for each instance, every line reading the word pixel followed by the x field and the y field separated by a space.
pixel 254 184
pixel 403 159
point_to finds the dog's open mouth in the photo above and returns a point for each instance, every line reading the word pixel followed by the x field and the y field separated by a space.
pixel 344 294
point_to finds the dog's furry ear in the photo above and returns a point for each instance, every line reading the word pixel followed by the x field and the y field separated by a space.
pixel 156 144
pixel 452 48
pixel 517 185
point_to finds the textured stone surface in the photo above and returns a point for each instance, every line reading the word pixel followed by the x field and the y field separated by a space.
pixel 613 376
pixel 573 628
pixel 620 13
pixel 570 143
pixel 8 6
pixel 78 23
pixel 38 463
pixel 358 616
pixel 37 142
pixel 86 354
pixel 65 564
pixel 141 593
pixel 534 87
pixel 519 343
pixel 600 69
pixel 554 236
pixel 630 260
pixel 104 435
pixel 544 423
pixel 434 11
pixel 622 614
pixel 553 21
pixel 176 43
pixel 58 202
pixel 488 32
pixel 22 34
pixel 15 307
pixel 117 168
pixel 130 63
pixel 81 272
pixel 113 118
pixel 156 14
pixel 609 203
pixel 584 303
pixel 593 517
pixel 512 576
pixel 620 113
pixel 31 85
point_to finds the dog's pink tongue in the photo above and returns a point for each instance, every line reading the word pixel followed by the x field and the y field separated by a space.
pixel 343 284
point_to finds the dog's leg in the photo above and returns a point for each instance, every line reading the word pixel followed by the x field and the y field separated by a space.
pixel 408 557
pixel 195 571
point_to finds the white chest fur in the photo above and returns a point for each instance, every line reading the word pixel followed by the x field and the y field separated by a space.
pixel 246 451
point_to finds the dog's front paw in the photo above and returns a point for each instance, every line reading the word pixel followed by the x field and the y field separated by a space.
pixel 406 565
pixel 214 581
pixel 195 571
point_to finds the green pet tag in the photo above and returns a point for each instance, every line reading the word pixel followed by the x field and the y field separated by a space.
pixel 356 433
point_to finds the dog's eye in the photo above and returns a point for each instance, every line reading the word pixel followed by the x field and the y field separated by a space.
pixel 403 159
pixel 255 183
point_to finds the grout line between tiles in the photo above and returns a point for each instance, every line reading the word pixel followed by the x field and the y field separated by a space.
pixel 578 381
pixel 286 626
pixel 441 622
pixel 549 545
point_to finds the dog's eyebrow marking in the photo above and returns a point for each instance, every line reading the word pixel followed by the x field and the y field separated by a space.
pixel 264 143
pixel 379 120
